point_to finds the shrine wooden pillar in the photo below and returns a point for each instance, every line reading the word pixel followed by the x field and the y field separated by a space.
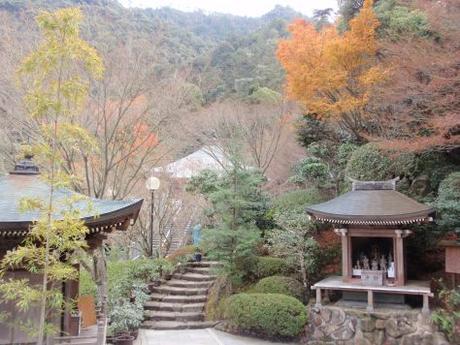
pixel 399 256
pixel 346 253
pixel 70 326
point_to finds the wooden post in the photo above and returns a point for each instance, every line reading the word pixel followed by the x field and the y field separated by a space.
pixel 100 269
pixel 346 266
pixel 399 258
pixel 426 305
pixel 318 297
pixel 370 301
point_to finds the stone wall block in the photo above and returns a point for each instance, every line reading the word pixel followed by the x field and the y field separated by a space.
pixel 337 316
pixel 360 339
pixel 367 324
pixel 380 324
pixel 391 341
pixel 439 339
pixel 343 333
pixel 376 337
pixel 346 326
pixel 417 338
pixel 326 314
pixel 398 327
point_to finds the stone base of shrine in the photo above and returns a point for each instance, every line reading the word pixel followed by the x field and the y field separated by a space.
pixel 374 296
pixel 332 325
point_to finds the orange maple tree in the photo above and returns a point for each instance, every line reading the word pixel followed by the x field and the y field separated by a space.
pixel 332 74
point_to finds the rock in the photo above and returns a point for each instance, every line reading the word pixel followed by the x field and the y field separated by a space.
pixel 391 341
pixel 398 327
pixel 376 337
pixel 343 333
pixel 326 314
pixel 417 338
pixel 439 339
pixel 317 321
pixel 318 334
pixel 367 324
pixel 338 316
pixel 380 324
pixel 360 339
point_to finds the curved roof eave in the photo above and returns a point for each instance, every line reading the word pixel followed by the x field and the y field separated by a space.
pixel 129 211
pixel 372 207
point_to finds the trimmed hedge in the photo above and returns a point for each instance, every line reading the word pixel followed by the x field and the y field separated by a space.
pixel 282 285
pixel 267 266
pixel 271 315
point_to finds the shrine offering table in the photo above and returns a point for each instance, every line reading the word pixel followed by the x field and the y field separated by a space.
pixel 412 287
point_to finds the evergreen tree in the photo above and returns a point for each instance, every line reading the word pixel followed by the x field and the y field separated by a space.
pixel 237 205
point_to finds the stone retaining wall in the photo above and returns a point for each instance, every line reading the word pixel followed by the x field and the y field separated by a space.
pixel 345 326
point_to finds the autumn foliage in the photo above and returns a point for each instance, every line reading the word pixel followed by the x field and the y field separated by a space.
pixel 329 73
pixel 418 108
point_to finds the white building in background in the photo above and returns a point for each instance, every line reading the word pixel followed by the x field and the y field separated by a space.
pixel 206 158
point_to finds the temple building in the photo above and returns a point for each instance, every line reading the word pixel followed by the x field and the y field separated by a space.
pixel 372 221
pixel 103 217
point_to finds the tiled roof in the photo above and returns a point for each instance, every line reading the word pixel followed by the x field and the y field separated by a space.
pixel 15 187
pixel 373 203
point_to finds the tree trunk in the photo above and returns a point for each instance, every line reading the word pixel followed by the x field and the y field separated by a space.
pixel 100 270
pixel 303 272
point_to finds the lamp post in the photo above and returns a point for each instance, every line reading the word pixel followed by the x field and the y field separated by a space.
pixel 152 184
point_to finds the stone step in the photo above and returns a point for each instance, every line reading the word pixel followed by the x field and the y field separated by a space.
pixel 205 264
pixel 176 307
pixel 178 299
pixel 201 270
pixel 194 277
pixel 173 316
pixel 179 291
pixel 165 325
pixel 188 284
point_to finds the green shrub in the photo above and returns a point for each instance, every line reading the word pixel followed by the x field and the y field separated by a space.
pixel 220 289
pixel 400 21
pixel 447 317
pixel 296 198
pixel 310 169
pixel 87 284
pixel 281 285
pixel 448 201
pixel 272 315
pixel 264 95
pixel 369 163
pixel 146 270
pixel 266 266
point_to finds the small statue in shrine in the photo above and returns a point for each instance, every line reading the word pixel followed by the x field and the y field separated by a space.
pixel 375 265
pixel 383 263
pixel 365 263
pixel 390 258
pixel 358 265
pixel 375 252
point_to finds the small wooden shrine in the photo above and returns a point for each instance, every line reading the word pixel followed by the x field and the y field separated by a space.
pixel 102 217
pixel 371 221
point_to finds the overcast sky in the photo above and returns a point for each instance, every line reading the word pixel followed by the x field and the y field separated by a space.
pixel 251 8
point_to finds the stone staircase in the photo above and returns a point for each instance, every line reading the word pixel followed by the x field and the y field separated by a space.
pixel 179 303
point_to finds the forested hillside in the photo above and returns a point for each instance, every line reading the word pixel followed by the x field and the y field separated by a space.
pixel 221 53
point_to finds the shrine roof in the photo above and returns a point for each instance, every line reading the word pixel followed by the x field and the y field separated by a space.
pixel 372 203
pixel 25 182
